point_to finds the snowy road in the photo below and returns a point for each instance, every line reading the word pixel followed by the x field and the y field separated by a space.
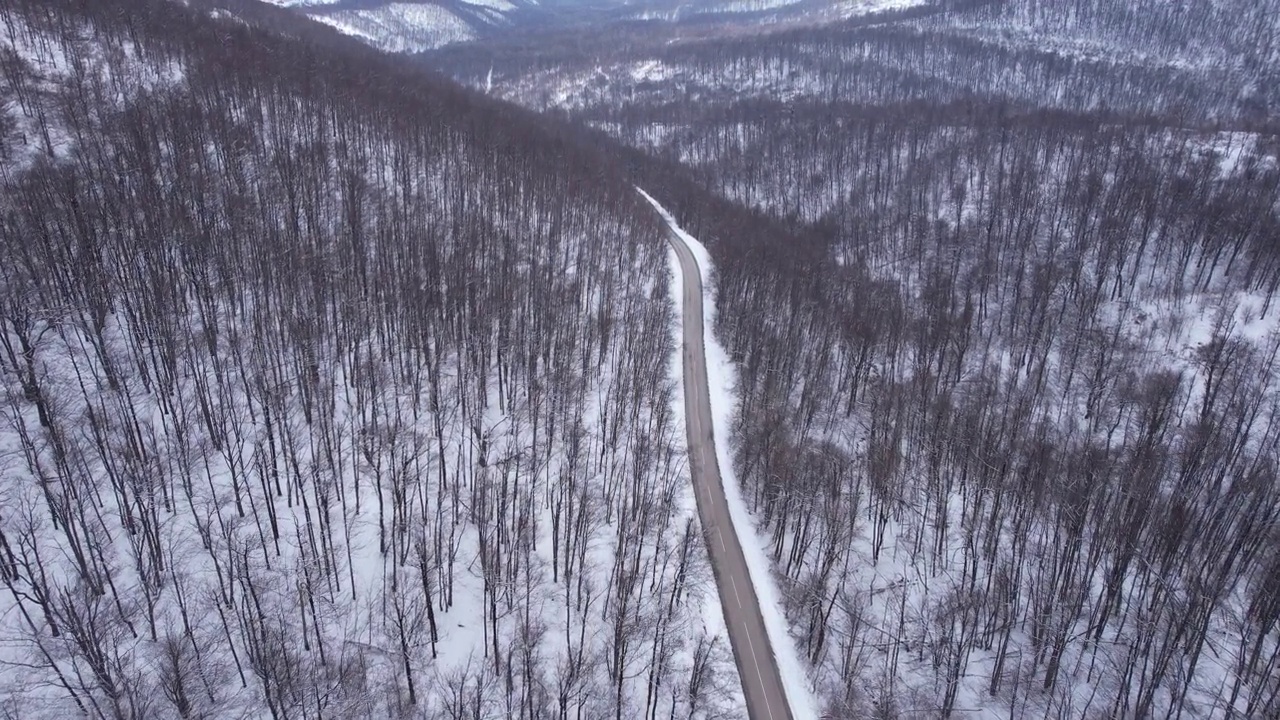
pixel 762 684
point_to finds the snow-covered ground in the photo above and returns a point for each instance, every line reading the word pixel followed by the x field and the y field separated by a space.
pixel 499 5
pixel 855 8
pixel 34 133
pixel 903 599
pixel 301 3
pixel 411 27
pixel 742 6
pixel 400 27
pixel 805 8
pixel 390 507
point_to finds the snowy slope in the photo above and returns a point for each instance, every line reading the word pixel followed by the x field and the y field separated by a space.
pixel 770 11
pixel 384 575
pixel 301 3
pixel 401 27
pixel 415 25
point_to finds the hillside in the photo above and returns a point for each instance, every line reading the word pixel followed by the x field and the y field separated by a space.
pixel 327 388
pixel 1000 282
pixel 417 26
pixel 332 388
pixel 1216 64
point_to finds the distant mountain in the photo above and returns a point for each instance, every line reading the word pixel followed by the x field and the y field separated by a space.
pixel 301 3
pixel 412 26
pixel 408 26
pixel 765 10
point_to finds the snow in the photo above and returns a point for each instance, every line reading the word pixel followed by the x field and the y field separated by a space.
pixel 220 14
pixel 650 71
pixel 844 9
pixel 904 599
pixel 461 625
pixel 747 6
pixel 1227 148
pixel 499 5
pixel 1101 38
pixel 355 618
pixel 855 8
pixel 301 3
pixel 870 6
pixel 400 27
pixel 721 379
pixel 50 63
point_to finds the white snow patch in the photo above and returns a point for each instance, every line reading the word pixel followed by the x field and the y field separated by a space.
pixel 400 27
pixel 301 3
pixel 48 63
pixel 650 70
pixel 852 8
pixel 743 6
pixel 499 5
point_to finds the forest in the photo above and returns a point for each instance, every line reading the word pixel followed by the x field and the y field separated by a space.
pixel 1011 423
pixel 328 388
pixel 1001 288
pixel 331 388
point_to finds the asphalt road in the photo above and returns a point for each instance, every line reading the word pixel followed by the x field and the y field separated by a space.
pixel 761 681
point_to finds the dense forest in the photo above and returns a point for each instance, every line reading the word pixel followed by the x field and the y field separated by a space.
pixel 331 388
pixel 327 389
pixel 1001 287
pixel 1190 64
pixel 1011 422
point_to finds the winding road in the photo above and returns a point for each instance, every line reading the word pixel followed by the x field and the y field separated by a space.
pixel 762 685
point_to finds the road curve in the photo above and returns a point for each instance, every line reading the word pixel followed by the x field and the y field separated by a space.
pixel 761 682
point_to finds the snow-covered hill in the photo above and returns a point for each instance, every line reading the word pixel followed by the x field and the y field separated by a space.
pixel 768 11
pixel 301 3
pixel 409 26
pixel 327 389
pixel 401 26
pixel 1003 313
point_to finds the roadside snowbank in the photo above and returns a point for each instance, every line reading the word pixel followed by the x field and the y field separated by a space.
pixel 721 380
